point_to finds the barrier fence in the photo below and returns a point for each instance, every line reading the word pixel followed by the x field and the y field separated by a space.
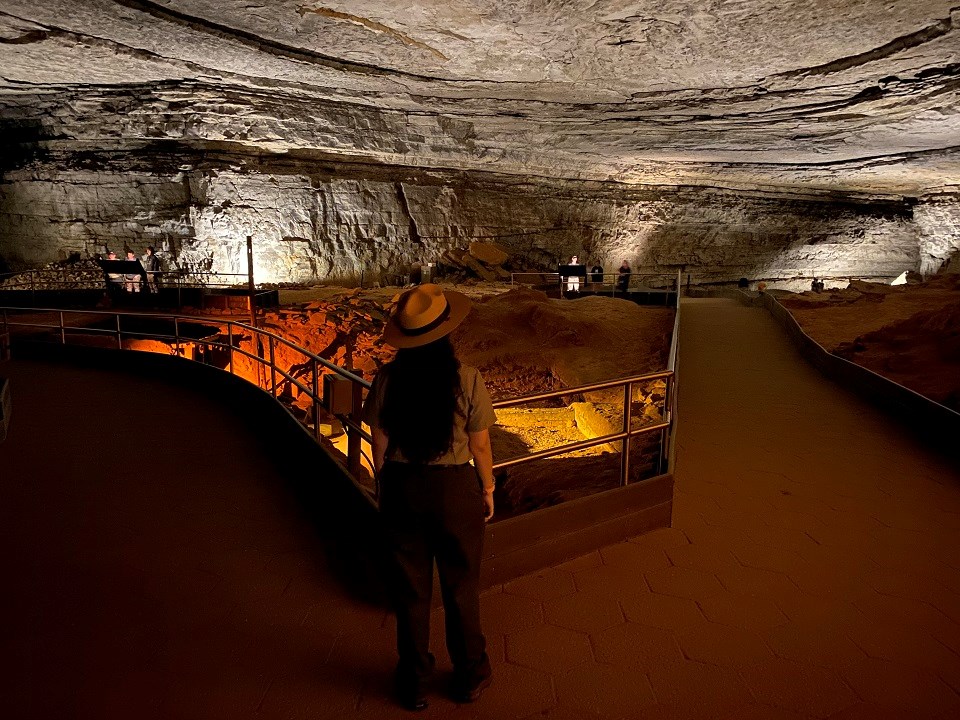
pixel 252 353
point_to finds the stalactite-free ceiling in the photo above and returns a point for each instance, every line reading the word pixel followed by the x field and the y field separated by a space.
pixel 824 95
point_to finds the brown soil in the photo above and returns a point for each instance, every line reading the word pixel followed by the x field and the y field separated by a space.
pixel 907 333
pixel 523 342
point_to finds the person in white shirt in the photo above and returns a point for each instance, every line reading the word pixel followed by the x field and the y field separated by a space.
pixel 573 281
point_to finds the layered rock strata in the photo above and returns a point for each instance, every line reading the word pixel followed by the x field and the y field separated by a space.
pixel 329 221
pixel 753 139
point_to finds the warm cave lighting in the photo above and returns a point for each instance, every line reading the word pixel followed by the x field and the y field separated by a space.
pixel 901 279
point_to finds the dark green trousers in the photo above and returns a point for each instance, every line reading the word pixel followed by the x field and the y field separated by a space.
pixel 434 513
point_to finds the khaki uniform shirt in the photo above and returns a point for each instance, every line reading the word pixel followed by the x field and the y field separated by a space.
pixel 474 413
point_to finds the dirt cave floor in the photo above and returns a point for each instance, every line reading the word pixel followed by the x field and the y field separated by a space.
pixel 524 342
pixel 907 333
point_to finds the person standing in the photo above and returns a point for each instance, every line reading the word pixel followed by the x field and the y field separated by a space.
pixel 573 281
pixel 596 273
pixel 131 281
pixel 429 417
pixel 114 279
pixel 151 263
pixel 623 277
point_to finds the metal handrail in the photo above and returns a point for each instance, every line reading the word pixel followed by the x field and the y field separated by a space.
pixel 609 281
pixel 623 436
pixel 352 421
pixel 40 279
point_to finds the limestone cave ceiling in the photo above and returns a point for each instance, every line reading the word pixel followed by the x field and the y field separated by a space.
pixel 837 95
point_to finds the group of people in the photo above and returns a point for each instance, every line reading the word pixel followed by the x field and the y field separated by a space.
pixel 596 276
pixel 133 282
pixel 816 285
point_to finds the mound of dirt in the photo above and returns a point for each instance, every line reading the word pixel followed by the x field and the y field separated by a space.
pixel 907 333
pixel 524 343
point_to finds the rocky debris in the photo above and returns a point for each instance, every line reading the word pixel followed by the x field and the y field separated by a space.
pixel 71 274
pixel 511 336
pixel 481 261
pixel 490 254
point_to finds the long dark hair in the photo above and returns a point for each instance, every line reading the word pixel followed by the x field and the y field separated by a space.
pixel 420 400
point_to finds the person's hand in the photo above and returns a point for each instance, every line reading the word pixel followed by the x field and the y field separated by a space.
pixel 488 502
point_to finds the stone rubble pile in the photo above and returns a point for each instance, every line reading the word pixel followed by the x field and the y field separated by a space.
pixel 481 261
pixel 71 274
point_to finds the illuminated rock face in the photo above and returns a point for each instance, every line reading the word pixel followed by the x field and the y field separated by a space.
pixel 759 138
pixel 307 228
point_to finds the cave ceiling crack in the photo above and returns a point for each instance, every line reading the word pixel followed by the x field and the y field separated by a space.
pixel 271 46
pixel 371 25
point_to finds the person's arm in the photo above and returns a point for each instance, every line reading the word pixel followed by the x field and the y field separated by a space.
pixel 379 447
pixel 482 451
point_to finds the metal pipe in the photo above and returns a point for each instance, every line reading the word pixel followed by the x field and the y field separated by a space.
pixel 573 447
pixel 273 369
pixel 353 439
pixel 625 444
pixel 581 389
pixel 250 284
pixel 230 345
pixel 316 399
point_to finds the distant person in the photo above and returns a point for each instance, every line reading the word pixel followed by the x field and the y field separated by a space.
pixel 573 281
pixel 151 263
pixel 131 281
pixel 623 276
pixel 596 273
pixel 114 280
pixel 430 418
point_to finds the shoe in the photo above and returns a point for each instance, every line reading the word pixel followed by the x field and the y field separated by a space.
pixel 414 702
pixel 471 691
pixel 412 696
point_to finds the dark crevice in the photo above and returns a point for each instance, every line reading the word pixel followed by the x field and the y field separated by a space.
pixel 260 43
pixel 904 42
pixel 27 38
pixel 402 198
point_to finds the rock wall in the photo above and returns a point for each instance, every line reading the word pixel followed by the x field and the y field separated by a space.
pixel 938 220
pixel 319 220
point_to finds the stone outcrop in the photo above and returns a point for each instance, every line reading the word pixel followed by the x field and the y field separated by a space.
pixel 722 140
pixel 368 224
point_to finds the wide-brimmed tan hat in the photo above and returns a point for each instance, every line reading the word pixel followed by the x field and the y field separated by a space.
pixel 424 314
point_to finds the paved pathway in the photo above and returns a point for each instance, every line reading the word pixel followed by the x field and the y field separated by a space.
pixel 813 569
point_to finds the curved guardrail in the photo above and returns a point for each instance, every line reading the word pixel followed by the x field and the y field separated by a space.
pixel 341 396
pixel 937 422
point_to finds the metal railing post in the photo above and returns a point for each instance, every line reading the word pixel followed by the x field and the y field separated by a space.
pixel 664 435
pixel 273 367
pixel 251 286
pixel 176 334
pixel 119 336
pixel 354 439
pixel 230 345
pixel 316 399
pixel 625 443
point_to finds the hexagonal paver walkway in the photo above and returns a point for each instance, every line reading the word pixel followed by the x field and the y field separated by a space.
pixel 812 571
